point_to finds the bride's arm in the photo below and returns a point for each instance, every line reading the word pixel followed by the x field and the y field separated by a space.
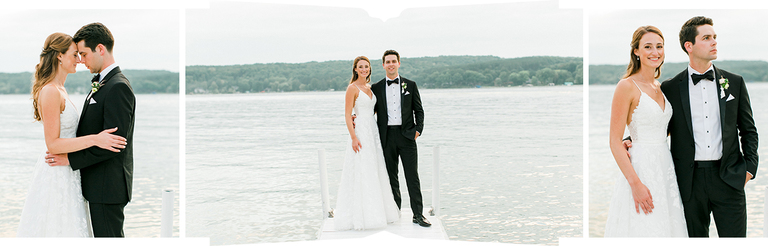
pixel 622 101
pixel 49 103
pixel 349 103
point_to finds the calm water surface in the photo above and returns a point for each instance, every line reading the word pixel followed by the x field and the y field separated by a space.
pixel 156 160
pixel 603 170
pixel 511 163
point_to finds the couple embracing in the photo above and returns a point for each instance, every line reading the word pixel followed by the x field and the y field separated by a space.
pixel 81 187
pixel 671 190
pixel 384 120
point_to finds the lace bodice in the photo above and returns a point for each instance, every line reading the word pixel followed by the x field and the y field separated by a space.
pixel 68 120
pixel 649 122
pixel 364 105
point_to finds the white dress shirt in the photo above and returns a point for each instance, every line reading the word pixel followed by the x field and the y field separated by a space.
pixel 705 117
pixel 394 113
pixel 106 71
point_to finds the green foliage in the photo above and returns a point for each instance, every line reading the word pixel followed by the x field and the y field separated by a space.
pixel 142 82
pixel 752 71
pixel 428 72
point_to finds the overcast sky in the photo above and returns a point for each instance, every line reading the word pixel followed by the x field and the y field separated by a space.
pixel 144 39
pixel 741 34
pixel 246 33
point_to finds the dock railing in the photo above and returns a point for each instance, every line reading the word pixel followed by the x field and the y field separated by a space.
pixel 166 219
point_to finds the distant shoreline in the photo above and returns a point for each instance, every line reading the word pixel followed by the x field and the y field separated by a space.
pixel 428 72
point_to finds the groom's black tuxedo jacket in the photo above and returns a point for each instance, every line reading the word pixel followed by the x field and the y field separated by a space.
pixel 107 176
pixel 410 105
pixel 735 120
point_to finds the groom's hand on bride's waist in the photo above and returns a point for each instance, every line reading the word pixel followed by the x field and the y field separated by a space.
pixel 627 144
pixel 56 159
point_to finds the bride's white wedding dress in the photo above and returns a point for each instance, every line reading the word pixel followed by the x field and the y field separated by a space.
pixel 365 200
pixel 55 206
pixel 652 161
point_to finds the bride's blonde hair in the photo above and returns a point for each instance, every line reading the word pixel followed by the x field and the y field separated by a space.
pixel 55 44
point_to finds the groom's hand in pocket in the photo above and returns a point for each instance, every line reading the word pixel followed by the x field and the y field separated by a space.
pixel 749 176
pixel 56 159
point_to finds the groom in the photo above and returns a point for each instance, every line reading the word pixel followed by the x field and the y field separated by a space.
pixel 106 176
pixel 711 109
pixel 400 118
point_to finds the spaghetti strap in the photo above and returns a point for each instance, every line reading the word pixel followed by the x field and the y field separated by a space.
pixel 357 87
pixel 633 82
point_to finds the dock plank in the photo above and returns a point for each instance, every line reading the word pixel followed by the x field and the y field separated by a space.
pixel 404 228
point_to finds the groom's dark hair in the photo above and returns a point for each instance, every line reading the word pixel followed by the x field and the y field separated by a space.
pixel 95 34
pixel 689 30
pixel 390 52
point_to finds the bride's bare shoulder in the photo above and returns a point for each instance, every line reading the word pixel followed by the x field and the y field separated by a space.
pixel 49 91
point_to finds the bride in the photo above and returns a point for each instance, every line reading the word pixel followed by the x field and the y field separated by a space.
pixel 649 183
pixel 55 206
pixel 365 198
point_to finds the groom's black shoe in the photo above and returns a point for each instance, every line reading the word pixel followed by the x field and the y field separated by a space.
pixel 421 220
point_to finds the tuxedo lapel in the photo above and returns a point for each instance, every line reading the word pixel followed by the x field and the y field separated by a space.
pixel 685 100
pixel 382 96
pixel 721 100
pixel 85 107
pixel 92 94
pixel 402 99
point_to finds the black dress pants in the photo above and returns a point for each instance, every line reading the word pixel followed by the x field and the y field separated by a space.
pixel 396 146
pixel 710 194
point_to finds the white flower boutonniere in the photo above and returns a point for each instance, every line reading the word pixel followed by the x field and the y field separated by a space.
pixel 723 86
pixel 95 87
pixel 404 85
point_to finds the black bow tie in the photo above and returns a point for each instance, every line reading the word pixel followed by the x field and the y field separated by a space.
pixel 394 81
pixel 697 77
pixel 96 78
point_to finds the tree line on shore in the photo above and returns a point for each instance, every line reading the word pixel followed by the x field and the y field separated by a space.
pixel 752 71
pixel 428 72
pixel 142 82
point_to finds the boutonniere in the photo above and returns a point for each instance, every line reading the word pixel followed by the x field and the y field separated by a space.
pixel 95 86
pixel 723 86
pixel 404 85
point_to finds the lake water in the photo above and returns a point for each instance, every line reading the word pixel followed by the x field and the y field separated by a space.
pixel 156 160
pixel 603 170
pixel 511 163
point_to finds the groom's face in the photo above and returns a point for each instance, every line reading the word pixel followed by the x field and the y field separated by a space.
pixel 91 58
pixel 705 47
pixel 391 65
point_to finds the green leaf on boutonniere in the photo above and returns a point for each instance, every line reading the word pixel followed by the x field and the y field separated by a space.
pixel 95 87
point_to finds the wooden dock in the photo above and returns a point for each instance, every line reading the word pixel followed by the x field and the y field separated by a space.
pixel 403 228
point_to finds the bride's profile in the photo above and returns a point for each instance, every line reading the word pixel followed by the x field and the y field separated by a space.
pixel 55 206
pixel 646 201
pixel 364 200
